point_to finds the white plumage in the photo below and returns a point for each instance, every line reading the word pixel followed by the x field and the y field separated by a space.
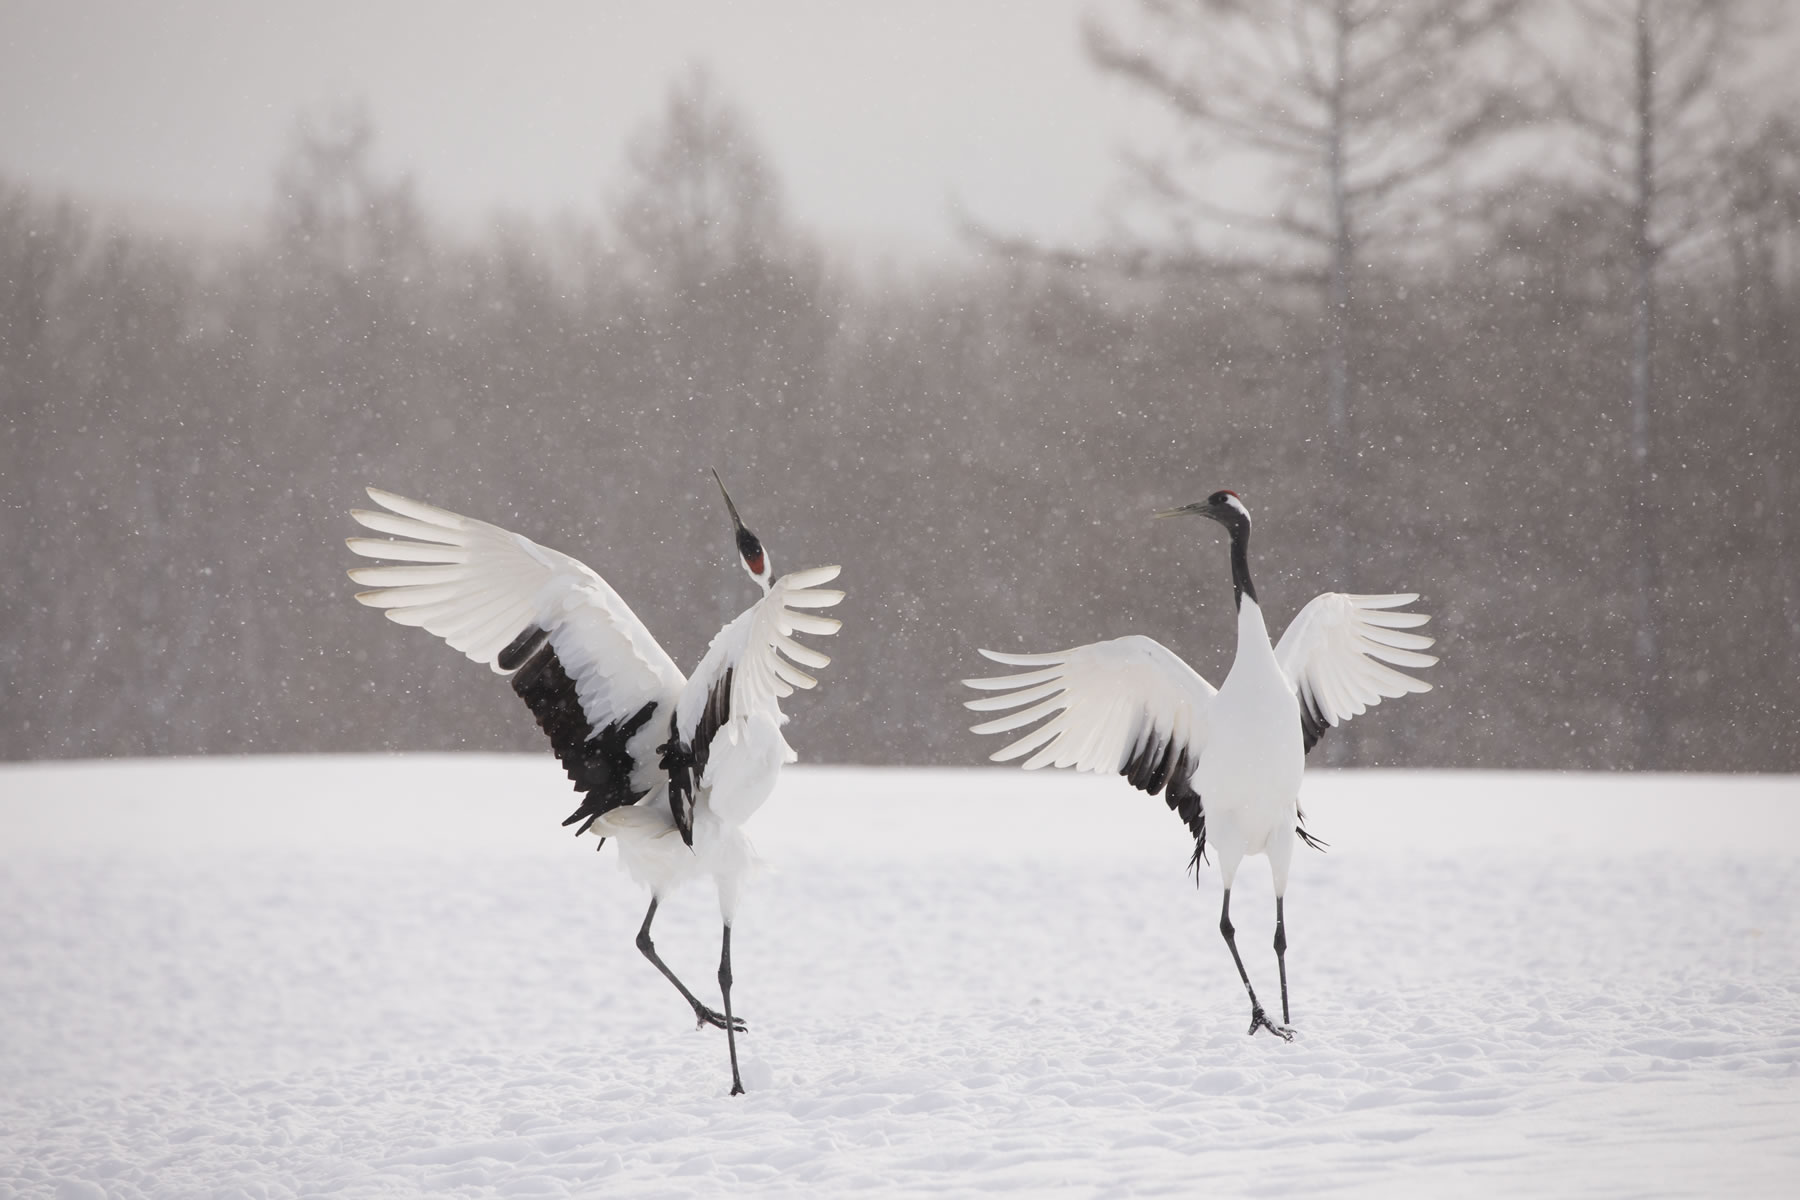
pixel 1227 760
pixel 1335 650
pixel 1104 697
pixel 670 766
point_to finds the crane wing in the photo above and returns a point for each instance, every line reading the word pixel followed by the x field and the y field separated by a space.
pixel 750 667
pixel 1335 655
pixel 1130 705
pixel 592 675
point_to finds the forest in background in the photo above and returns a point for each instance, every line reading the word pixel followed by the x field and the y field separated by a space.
pixel 1449 409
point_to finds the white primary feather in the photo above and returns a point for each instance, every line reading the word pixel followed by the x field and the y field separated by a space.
pixel 757 646
pixel 478 587
pixel 1336 650
pixel 1101 700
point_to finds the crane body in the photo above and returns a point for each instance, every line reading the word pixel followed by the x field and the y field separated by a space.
pixel 669 767
pixel 1228 760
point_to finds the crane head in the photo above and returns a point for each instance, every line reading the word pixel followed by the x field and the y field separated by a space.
pixel 1222 506
pixel 749 546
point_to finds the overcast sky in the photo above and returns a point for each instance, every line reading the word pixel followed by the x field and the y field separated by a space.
pixel 876 115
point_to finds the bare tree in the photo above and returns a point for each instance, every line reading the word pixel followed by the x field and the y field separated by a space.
pixel 730 293
pixel 43 247
pixel 1348 114
pixel 1644 99
pixel 727 297
pixel 1351 111
pixel 1759 190
pixel 350 240
pixel 700 196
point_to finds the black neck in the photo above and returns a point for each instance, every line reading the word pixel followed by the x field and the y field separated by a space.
pixel 1240 564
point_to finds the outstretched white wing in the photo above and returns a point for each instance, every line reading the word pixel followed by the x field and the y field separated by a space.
pixel 745 674
pixel 750 665
pixel 512 604
pixel 1334 652
pixel 1130 705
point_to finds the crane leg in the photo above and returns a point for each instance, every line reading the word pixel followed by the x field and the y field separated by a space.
pixel 1281 957
pixel 731 1027
pixel 1258 1018
pixel 702 1014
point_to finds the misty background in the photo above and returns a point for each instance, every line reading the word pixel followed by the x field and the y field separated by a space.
pixel 1489 300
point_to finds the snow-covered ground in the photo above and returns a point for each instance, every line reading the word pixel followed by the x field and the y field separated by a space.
pixel 397 976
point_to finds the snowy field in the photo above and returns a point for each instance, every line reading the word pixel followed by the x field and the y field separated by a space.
pixel 397 976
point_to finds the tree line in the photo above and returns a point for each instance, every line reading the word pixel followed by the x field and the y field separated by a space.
pixel 1451 405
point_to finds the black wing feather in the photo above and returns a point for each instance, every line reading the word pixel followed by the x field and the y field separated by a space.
pixel 598 762
pixel 712 719
pixel 1312 727
pixel 1158 764
pixel 685 762
pixel 1316 842
pixel 1312 721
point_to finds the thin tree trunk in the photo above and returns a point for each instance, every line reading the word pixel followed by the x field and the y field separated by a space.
pixel 1650 716
pixel 1340 384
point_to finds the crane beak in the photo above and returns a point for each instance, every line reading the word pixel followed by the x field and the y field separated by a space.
pixel 1196 509
pixel 735 520
pixel 750 547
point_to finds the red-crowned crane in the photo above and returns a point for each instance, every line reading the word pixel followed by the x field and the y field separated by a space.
pixel 1227 760
pixel 669 766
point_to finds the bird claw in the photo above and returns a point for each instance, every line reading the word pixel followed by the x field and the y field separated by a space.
pixel 704 1016
pixel 1260 1020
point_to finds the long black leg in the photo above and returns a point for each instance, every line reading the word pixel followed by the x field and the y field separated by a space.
pixel 702 1014
pixel 1258 1018
pixel 737 1085
pixel 1281 957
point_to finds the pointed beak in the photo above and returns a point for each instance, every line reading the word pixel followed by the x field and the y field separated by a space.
pixel 735 520
pixel 1197 509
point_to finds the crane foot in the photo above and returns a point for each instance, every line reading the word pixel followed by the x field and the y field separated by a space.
pixel 1260 1020
pixel 704 1016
